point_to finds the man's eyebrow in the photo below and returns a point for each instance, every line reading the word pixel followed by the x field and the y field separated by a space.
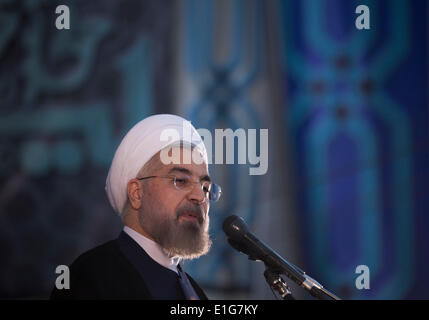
pixel 189 173
pixel 206 178
pixel 180 169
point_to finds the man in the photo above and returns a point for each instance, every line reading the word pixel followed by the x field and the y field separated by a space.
pixel 161 188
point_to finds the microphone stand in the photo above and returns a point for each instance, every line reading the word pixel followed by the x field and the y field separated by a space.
pixel 277 283
pixel 244 241
pixel 298 276
pixel 305 281
pixel 281 266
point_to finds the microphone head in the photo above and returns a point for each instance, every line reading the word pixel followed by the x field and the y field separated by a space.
pixel 234 227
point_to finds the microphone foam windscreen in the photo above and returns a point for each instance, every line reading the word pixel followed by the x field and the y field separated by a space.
pixel 234 226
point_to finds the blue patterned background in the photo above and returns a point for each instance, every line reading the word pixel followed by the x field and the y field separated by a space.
pixel 358 117
pixel 347 114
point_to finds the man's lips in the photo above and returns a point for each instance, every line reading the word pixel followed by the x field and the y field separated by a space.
pixel 191 213
pixel 191 216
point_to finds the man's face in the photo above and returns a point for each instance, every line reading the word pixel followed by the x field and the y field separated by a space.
pixel 176 217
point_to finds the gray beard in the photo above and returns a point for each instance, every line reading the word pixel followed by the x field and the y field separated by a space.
pixel 183 239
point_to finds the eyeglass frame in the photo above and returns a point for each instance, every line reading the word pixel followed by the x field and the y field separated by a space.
pixel 174 178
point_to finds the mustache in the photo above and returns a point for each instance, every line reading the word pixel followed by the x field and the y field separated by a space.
pixel 196 210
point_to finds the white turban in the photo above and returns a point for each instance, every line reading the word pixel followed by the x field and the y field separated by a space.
pixel 139 145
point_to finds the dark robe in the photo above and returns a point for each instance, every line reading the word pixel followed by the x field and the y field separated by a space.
pixel 121 269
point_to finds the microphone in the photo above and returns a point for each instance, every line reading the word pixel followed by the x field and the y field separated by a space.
pixel 246 242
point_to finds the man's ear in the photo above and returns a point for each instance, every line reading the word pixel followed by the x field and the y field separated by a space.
pixel 135 193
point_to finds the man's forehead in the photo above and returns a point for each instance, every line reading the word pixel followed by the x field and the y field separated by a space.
pixel 187 158
pixel 192 170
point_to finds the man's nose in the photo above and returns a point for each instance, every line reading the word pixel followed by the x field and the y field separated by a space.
pixel 196 194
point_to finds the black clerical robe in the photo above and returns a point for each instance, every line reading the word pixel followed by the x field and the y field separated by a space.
pixel 121 269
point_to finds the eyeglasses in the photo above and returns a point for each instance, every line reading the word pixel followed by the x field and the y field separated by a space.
pixel 212 191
